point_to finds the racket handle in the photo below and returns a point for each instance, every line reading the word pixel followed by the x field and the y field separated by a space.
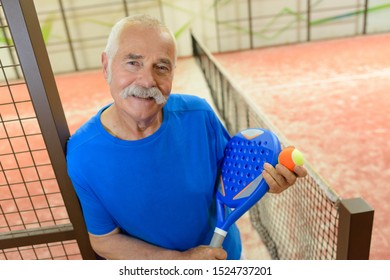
pixel 218 238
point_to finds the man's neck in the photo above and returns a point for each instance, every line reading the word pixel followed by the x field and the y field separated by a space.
pixel 127 128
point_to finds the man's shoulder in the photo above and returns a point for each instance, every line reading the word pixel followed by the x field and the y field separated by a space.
pixel 85 134
pixel 187 102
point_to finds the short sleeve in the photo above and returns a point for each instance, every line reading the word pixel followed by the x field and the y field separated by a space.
pixel 97 218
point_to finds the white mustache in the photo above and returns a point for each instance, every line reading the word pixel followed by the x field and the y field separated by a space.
pixel 142 92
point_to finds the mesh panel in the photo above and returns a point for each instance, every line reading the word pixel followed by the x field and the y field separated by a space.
pixel 30 198
pixel 30 195
pixel 65 250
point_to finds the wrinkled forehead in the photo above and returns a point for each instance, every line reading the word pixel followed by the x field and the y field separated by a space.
pixel 141 37
pixel 139 31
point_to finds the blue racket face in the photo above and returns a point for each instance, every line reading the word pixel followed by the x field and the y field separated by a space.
pixel 245 155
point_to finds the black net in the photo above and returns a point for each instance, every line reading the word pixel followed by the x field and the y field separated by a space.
pixel 300 223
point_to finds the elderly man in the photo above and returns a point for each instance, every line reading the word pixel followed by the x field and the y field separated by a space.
pixel 145 167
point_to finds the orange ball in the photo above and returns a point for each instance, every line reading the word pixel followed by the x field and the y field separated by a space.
pixel 289 157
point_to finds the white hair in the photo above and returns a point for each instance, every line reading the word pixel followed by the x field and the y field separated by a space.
pixel 113 38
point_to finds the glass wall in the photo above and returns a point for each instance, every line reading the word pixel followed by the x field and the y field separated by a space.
pixel 75 31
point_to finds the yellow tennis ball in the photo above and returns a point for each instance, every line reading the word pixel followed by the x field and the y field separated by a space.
pixel 290 157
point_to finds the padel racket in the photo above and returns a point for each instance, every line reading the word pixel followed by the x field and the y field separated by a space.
pixel 242 184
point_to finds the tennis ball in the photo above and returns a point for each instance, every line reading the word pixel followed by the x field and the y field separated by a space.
pixel 290 157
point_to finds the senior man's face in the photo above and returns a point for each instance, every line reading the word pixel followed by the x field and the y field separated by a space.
pixel 142 71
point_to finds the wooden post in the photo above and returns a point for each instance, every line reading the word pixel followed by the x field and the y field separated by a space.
pixel 355 229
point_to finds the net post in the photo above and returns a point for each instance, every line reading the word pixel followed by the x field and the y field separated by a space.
pixel 356 219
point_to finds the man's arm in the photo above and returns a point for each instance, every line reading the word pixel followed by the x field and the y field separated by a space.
pixel 117 246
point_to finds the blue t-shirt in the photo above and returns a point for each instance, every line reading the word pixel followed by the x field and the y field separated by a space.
pixel 160 189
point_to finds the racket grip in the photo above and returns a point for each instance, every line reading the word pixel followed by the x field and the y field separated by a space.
pixel 218 238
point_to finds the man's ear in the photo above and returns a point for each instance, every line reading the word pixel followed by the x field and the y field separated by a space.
pixel 105 65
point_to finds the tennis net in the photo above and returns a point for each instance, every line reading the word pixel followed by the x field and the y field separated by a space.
pixel 300 223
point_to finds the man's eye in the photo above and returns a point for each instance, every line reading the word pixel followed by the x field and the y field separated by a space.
pixel 163 68
pixel 133 63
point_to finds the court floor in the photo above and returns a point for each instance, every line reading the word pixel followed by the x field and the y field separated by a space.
pixel 331 100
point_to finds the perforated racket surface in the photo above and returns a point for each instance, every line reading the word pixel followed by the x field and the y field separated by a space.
pixel 241 183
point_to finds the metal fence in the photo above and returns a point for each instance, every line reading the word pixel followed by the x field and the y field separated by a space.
pixel 248 24
pixel 40 217
pixel 75 32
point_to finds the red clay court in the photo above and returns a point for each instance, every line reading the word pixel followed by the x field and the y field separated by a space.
pixel 331 99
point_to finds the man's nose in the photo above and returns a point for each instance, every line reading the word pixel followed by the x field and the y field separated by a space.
pixel 146 78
